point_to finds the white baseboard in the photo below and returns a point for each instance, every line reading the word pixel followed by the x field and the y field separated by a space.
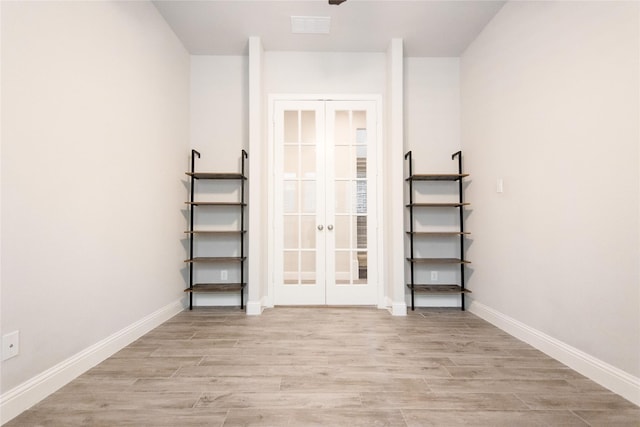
pixel 398 308
pixel 616 380
pixel 386 304
pixel 27 394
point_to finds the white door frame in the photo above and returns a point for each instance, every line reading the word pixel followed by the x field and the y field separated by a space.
pixel 272 98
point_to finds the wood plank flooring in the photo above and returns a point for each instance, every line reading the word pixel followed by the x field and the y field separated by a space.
pixel 330 367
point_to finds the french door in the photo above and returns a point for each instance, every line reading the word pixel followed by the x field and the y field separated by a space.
pixel 325 203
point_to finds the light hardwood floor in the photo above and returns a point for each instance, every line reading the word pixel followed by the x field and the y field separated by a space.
pixel 330 367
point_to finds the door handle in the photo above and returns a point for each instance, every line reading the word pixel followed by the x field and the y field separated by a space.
pixel 320 227
pixel 329 227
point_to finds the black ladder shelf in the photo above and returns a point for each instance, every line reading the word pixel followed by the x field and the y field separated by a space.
pixel 416 262
pixel 193 260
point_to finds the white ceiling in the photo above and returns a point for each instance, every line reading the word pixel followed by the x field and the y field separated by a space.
pixel 428 27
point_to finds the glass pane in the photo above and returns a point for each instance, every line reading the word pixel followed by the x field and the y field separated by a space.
pixel 308 231
pixel 361 161
pixel 290 232
pixel 290 196
pixel 361 232
pixel 308 196
pixel 342 232
pixel 342 162
pixel 308 267
pixel 360 270
pixel 290 161
pixel 343 270
pixel 360 197
pixel 290 126
pixel 290 267
pixel 359 121
pixel 308 161
pixel 308 127
pixel 342 127
pixel 342 196
pixel 361 136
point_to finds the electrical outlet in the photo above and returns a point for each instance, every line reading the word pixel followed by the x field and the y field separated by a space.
pixel 10 345
pixel 224 275
pixel 434 276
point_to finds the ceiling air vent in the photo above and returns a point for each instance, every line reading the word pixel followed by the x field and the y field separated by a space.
pixel 310 24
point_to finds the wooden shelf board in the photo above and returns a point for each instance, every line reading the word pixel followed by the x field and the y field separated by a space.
pixel 215 204
pixel 216 232
pixel 438 205
pixel 216 287
pixel 438 233
pixel 438 261
pixel 437 177
pixel 438 289
pixel 216 259
pixel 212 175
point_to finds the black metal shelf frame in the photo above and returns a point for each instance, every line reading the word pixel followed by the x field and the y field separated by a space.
pixel 460 205
pixel 192 203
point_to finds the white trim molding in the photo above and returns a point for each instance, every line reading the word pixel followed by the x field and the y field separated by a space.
pixel 394 178
pixel 27 394
pixel 254 308
pixel 272 98
pixel 614 379
pixel 399 309
pixel 257 172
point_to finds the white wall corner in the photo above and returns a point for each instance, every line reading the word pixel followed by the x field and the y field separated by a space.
pixel 399 308
pixel 256 174
pixel 27 394
pixel 610 377
pixel 254 308
pixel 396 172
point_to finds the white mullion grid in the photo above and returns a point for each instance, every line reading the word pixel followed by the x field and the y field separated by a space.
pixel 350 201
pixel 299 207
pixel 356 184
pixel 302 181
pixel 350 191
pixel 353 178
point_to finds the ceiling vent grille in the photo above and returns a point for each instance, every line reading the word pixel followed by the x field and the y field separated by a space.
pixel 310 24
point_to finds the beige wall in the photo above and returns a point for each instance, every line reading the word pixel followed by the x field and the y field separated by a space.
pixel 550 105
pixel 431 93
pixel 95 110
pixel 432 133
pixel 219 116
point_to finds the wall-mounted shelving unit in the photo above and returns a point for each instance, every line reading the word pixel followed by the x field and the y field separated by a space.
pixel 194 232
pixel 457 207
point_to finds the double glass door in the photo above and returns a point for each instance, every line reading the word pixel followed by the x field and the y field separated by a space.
pixel 325 199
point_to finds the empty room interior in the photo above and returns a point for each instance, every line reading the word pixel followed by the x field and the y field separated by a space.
pixel 320 212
